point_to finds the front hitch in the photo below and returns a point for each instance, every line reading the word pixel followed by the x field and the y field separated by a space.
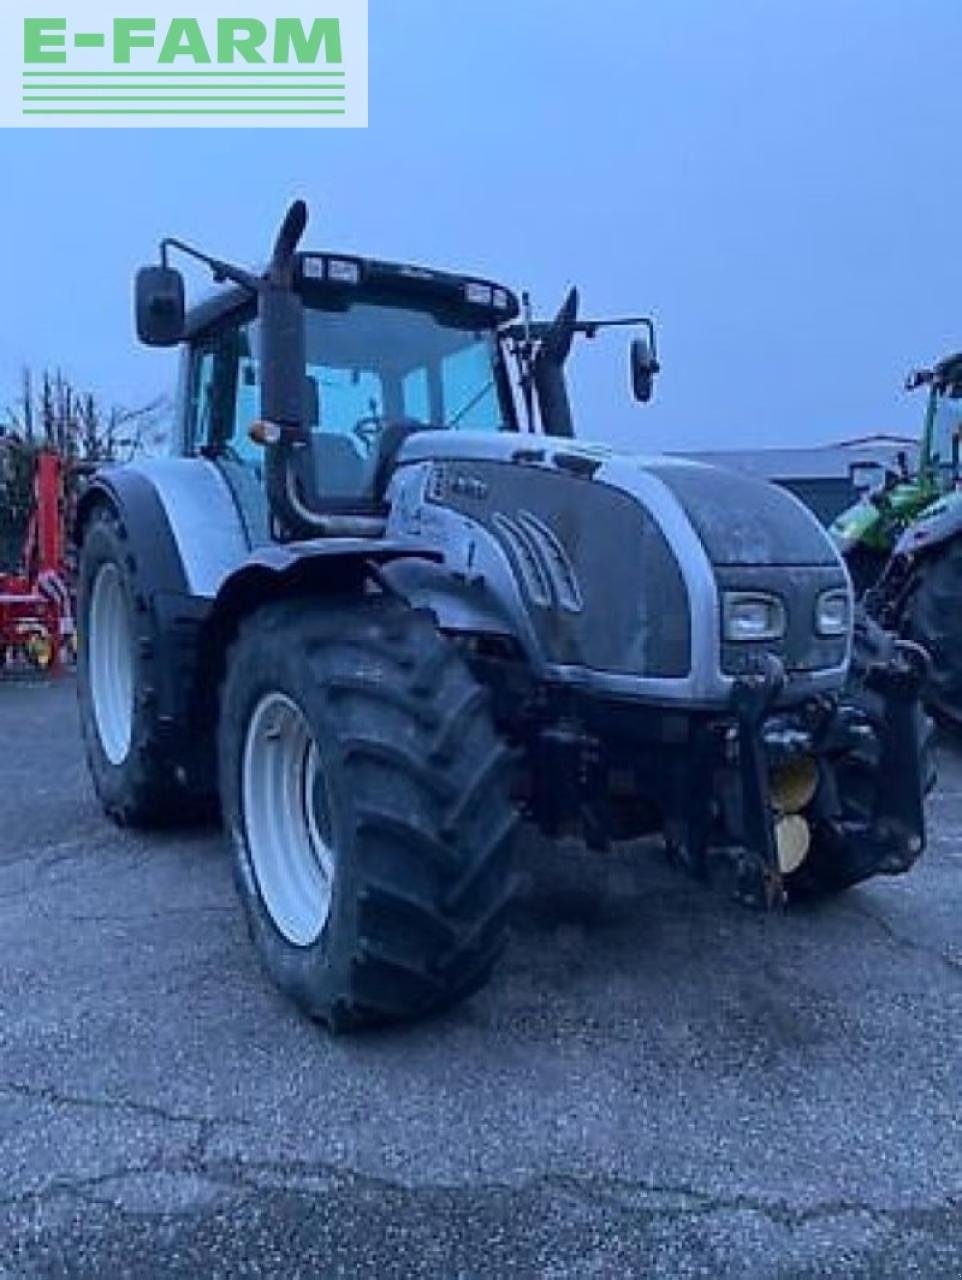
pixel 760 876
pixel 859 802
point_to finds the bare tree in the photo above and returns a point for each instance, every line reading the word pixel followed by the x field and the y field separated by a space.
pixel 51 413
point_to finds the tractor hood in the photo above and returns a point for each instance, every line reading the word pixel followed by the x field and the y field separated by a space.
pixel 622 564
pixel 740 520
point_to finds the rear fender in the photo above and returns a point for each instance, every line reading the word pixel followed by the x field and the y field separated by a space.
pixel 137 503
pixel 186 507
pixel 163 581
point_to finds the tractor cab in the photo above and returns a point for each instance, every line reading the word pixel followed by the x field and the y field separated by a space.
pixel 943 420
pixel 867 532
pixel 315 374
pixel 388 350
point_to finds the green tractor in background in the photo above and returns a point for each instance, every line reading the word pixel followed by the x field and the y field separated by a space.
pixel 903 541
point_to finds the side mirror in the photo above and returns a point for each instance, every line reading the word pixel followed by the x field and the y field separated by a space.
pixel 160 307
pixel 644 366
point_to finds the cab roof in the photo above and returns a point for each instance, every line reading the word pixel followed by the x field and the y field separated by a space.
pixel 333 280
pixel 949 369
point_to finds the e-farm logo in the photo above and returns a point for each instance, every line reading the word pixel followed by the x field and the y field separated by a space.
pixel 103 66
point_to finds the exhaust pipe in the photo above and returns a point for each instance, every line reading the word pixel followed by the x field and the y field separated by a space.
pixel 283 364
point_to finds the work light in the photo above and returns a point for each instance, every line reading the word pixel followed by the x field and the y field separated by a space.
pixel 752 615
pixel 478 294
pixel 343 271
pixel 833 613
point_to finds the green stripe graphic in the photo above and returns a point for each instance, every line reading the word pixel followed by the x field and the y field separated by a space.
pixel 176 111
pixel 206 74
pixel 77 93
pixel 188 97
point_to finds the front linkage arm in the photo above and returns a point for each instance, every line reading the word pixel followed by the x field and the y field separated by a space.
pixel 751 700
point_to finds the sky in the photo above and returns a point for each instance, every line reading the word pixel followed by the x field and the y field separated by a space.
pixel 777 183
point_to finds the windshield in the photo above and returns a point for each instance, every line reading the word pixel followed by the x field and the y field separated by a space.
pixel 946 422
pixel 371 365
pixel 390 362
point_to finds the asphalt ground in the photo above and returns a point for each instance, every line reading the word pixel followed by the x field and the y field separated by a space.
pixel 656 1083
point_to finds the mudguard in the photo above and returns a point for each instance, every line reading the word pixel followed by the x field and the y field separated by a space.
pixel 281 568
pixel 138 503
pixel 180 514
pixel 202 561
pixel 936 524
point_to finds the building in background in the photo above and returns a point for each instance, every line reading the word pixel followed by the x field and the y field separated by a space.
pixel 827 478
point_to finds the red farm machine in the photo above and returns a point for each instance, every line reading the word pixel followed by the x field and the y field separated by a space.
pixel 36 615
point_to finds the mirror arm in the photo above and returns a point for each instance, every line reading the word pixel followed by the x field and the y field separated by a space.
pixel 538 329
pixel 221 271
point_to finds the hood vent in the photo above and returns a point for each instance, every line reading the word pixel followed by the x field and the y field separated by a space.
pixel 540 561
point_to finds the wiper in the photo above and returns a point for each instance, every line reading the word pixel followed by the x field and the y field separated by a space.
pixel 466 408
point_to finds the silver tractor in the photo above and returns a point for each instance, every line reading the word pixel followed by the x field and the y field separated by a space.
pixel 381 605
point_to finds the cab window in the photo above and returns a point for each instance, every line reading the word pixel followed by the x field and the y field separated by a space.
pixel 366 367
pixel 223 393
pixel 946 424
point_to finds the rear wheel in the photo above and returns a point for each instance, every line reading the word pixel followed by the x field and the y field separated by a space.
pixel 132 761
pixel 367 801
pixel 935 621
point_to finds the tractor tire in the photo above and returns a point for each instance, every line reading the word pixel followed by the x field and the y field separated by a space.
pixel 367 802
pixel 822 874
pixel 132 763
pixel 934 620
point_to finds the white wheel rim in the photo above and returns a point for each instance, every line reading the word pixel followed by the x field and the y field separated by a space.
pixel 111 663
pixel 284 816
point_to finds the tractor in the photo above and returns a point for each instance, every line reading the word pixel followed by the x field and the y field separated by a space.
pixel 382 606
pixel 903 542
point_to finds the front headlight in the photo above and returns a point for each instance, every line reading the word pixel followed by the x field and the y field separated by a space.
pixel 833 613
pixel 752 615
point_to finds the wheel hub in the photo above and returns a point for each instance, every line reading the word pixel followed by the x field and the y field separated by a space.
pixel 286 819
pixel 111 663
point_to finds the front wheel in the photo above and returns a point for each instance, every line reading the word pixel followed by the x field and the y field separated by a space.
pixel 368 810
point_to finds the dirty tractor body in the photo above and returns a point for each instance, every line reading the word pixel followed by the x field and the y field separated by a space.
pixel 382 606
pixel 903 542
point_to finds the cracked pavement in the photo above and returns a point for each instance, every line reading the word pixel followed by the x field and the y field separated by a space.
pixel 656 1082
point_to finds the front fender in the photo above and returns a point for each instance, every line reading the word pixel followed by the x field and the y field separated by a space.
pixel 936 524
pixel 329 565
